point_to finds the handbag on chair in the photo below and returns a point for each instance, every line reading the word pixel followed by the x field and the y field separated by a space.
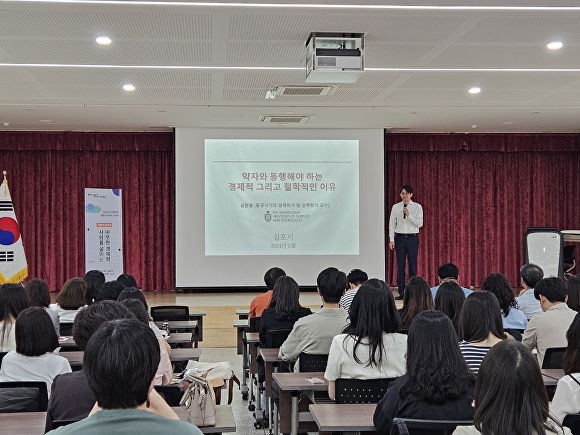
pixel 198 399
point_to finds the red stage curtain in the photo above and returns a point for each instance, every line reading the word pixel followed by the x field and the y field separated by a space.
pixel 47 174
pixel 480 192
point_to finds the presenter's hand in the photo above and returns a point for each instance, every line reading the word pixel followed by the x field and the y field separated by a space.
pixel 391 245
pixel 405 211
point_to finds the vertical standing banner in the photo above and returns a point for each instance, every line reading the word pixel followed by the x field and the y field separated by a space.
pixel 13 265
pixel 104 232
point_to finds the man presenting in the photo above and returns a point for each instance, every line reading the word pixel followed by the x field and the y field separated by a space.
pixel 404 223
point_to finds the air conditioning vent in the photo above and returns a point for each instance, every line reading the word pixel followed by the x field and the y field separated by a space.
pixel 301 90
pixel 284 119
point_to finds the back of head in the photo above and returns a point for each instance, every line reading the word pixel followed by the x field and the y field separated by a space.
pixel 531 274
pixel 449 300
pixel 73 294
pixel 35 334
pixel 127 280
pixel 448 270
pixel 90 318
pixel 332 283
pixel 271 276
pixel 417 298
pixel 480 316
pixel 357 277
pixel 572 355
pixel 133 293
pixel 13 299
pixel 120 362
pixel 110 291
pixel 138 309
pixel 38 293
pixel 554 289
pixel 510 396
pixel 500 287
pixel 94 279
pixel 573 292
pixel 285 298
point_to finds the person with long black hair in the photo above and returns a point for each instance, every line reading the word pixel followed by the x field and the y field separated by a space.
pixel 418 298
pixel 512 317
pixel 438 384
pixel 370 346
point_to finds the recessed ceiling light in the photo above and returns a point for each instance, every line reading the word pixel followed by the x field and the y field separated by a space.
pixel 474 90
pixel 103 40
pixel 129 87
pixel 555 45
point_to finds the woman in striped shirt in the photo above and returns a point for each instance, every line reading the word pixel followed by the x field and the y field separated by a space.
pixel 480 327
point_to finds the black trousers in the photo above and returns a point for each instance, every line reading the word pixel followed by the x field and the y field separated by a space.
pixel 406 248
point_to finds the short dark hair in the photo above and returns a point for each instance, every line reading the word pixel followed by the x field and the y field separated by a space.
pixel 407 188
pixel 35 334
pixel 448 270
pixel 137 308
pixel 531 274
pixel 94 279
pixel 120 362
pixel 510 374
pixel 480 316
pixel 90 318
pixel 572 356
pixel 332 283
pixel 133 293
pixel 110 291
pixel 38 292
pixel 272 275
pixel 357 277
pixel 573 292
pixel 127 280
pixel 73 294
pixel 449 300
pixel 553 289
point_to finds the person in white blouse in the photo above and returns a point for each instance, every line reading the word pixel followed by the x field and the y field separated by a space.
pixel 567 397
pixel 404 223
pixel 71 298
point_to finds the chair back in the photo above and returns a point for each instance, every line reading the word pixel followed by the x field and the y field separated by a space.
pixel 23 396
pixel 568 254
pixel 515 333
pixel 554 358
pixel 361 390
pixel 170 312
pixel 573 422
pixel 275 337
pixel 171 393
pixel 312 362
pixel 254 324
pixel 66 328
pixel 401 426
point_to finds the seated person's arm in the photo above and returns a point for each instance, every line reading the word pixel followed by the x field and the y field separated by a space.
pixel 331 390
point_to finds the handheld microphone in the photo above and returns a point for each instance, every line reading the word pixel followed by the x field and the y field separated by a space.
pixel 404 207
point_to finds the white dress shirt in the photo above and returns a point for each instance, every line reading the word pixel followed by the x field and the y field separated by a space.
pixel 409 225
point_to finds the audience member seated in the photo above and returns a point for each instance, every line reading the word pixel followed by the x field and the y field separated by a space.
pixel 512 318
pixel 261 302
pixel 135 293
pixel 449 300
pixel 480 327
pixel 530 276
pixel 284 309
pixel 567 397
pixel 355 278
pixel 548 329
pixel 120 362
pixel 165 370
pixel 510 397
pixel 417 298
pixel 573 286
pixel 370 347
pixel 33 359
pixel 448 272
pixel 72 297
pixel 438 384
pixel 39 296
pixel 110 291
pixel 71 397
pixel 313 334
pixel 13 299
pixel 94 279
pixel 127 280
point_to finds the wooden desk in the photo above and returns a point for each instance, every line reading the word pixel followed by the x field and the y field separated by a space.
pixel 75 358
pixel 198 315
pixel 552 376
pixel 332 417
pixel 224 419
pixel 243 314
pixel 271 362
pixel 241 326
pixel 68 344
pixel 291 384
pixel 192 326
